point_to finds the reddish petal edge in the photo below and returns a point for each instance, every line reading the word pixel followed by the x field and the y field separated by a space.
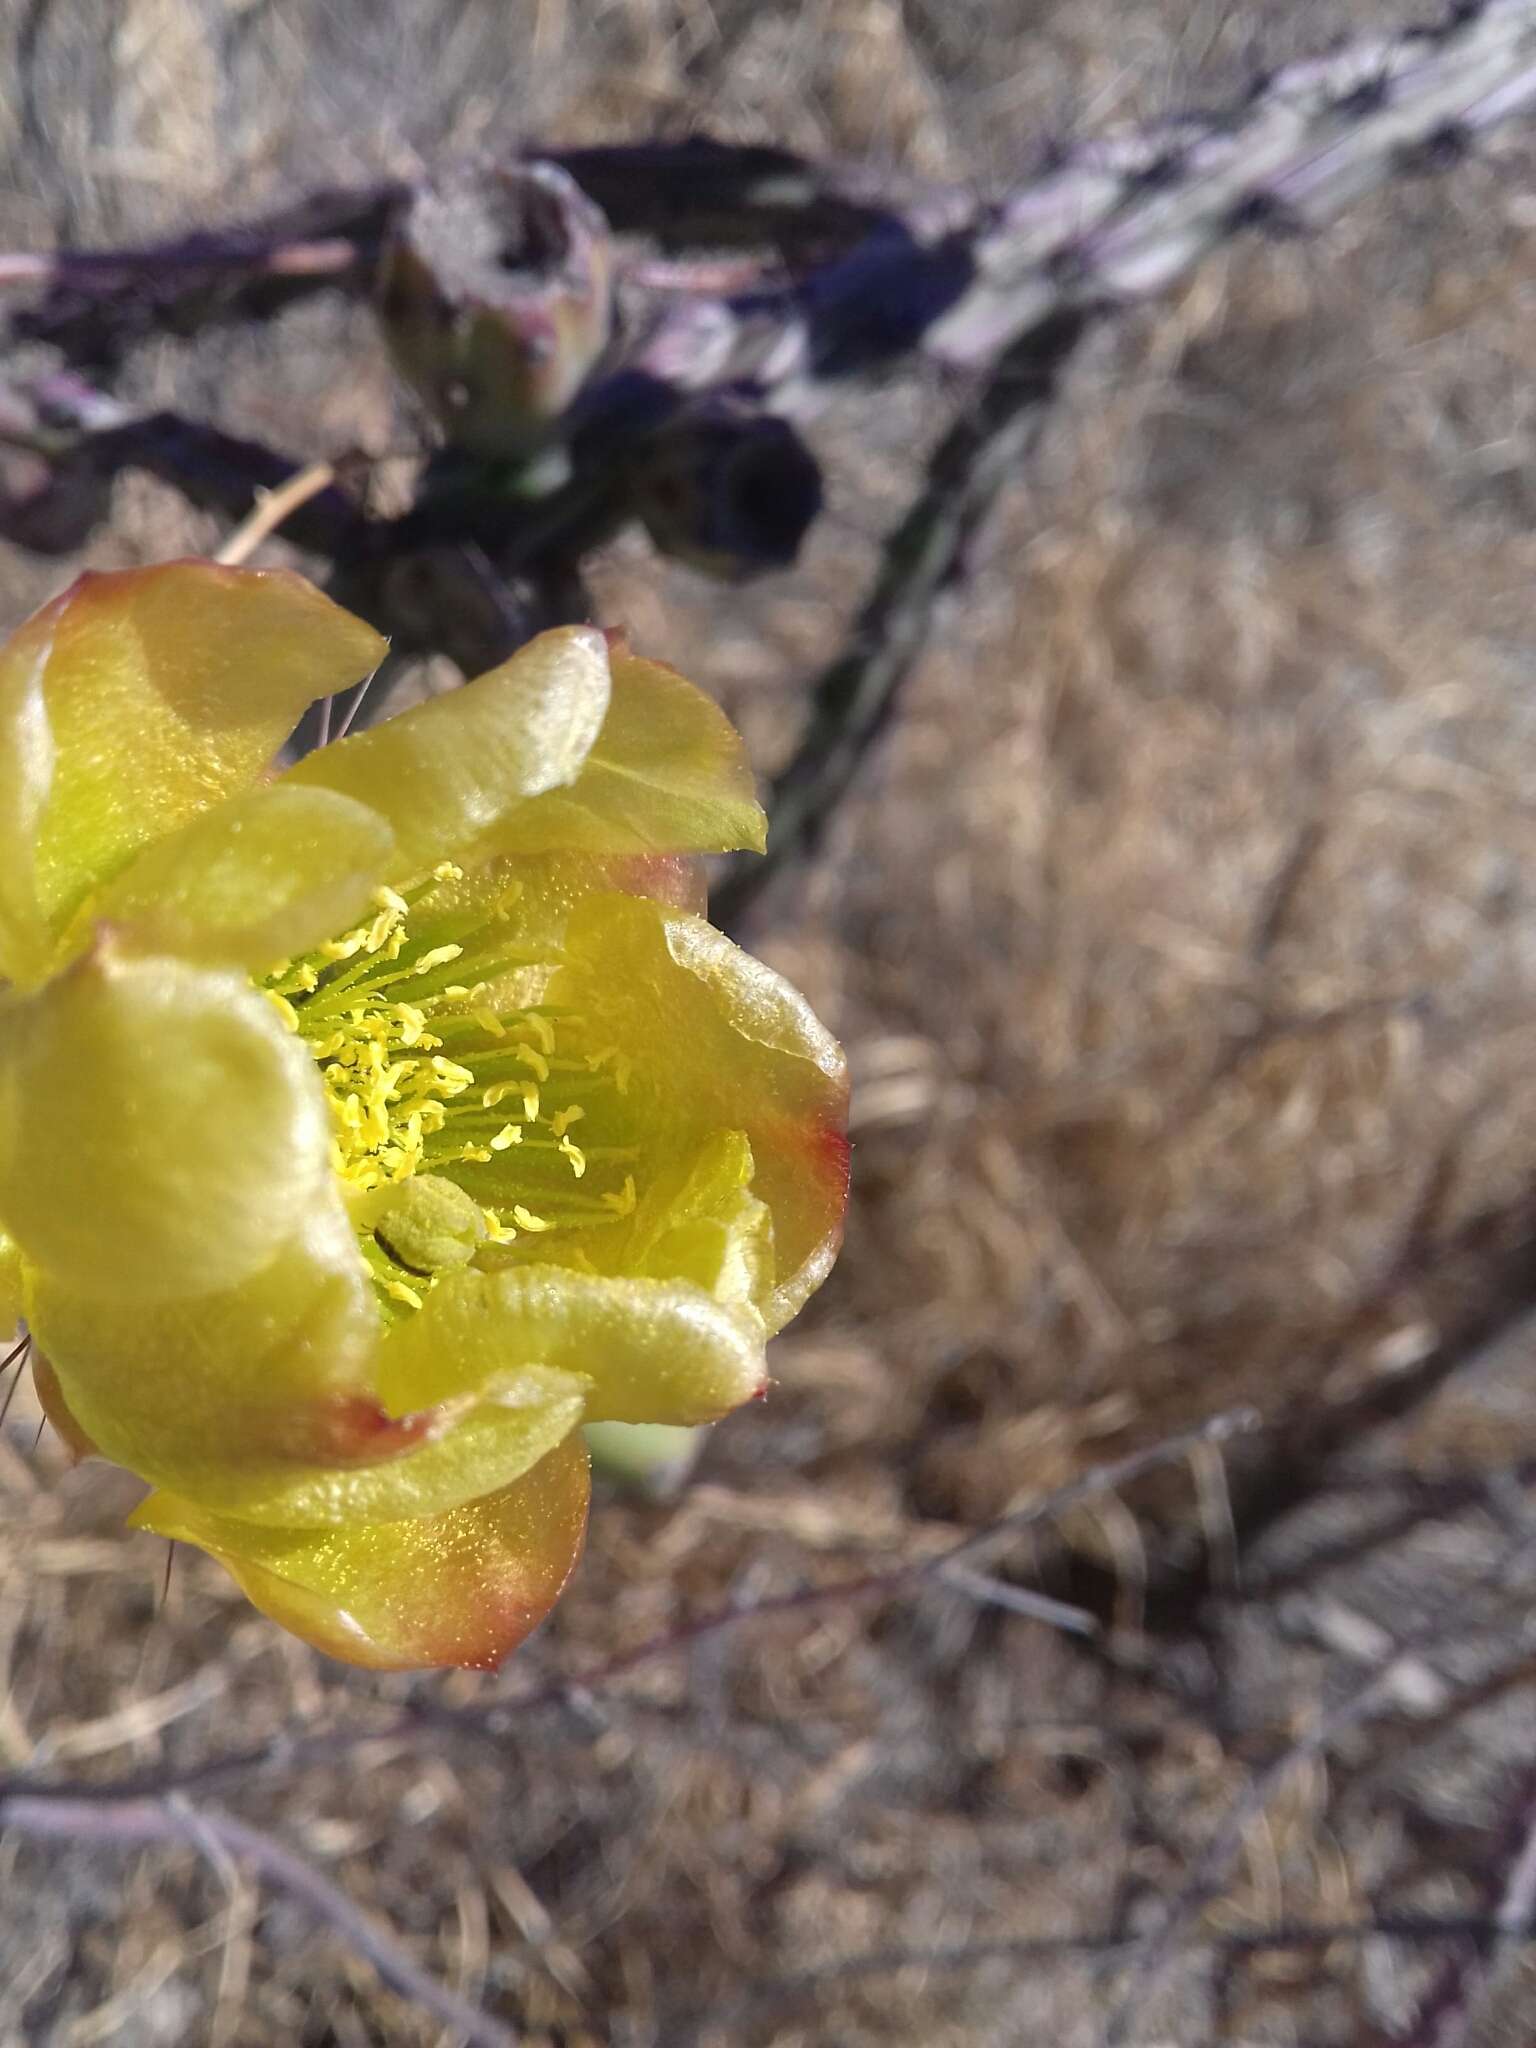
pixel 678 880
pixel 462 1588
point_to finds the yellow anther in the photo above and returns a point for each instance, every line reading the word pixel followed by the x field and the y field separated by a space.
pixel 394 1091
pixel 445 871
pixel 283 1007
pixel 620 1062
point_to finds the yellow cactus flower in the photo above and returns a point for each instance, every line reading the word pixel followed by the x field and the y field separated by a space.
pixel 366 1128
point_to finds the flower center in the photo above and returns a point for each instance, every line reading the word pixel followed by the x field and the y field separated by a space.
pixel 439 1091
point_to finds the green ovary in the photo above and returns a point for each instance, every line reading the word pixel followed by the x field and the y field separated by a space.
pixel 431 1080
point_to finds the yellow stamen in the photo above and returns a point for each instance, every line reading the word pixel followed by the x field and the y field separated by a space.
pixel 380 1024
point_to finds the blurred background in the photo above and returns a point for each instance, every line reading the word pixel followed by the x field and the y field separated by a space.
pixel 1181 937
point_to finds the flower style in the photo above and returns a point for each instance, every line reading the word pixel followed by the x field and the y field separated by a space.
pixel 367 1128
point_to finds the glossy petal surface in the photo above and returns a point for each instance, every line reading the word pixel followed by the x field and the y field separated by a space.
pixel 164 690
pixel 161 1133
pixel 451 775
pixel 12 1284
pixel 260 1403
pixel 26 776
pixel 720 1042
pixel 236 1390
pixel 460 1588
pixel 535 894
pixel 515 1143
pixel 668 774
pixel 268 873
pixel 648 1350
pixel 699 1221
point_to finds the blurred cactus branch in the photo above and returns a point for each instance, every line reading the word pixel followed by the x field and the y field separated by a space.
pixel 1111 225
pixel 98 304
pixel 695 194
pixel 707 194
pixel 577 384
pixel 855 697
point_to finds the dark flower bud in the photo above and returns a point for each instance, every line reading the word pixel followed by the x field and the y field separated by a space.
pixel 731 493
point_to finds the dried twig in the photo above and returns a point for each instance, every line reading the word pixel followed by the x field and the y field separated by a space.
pixel 273 509
pixel 1396 1681
pixel 494 1718
pixel 1092 1946
pixel 854 699
pixel 1452 1996
pixel 87 1817
pixel 1115 224
pixel 156 1806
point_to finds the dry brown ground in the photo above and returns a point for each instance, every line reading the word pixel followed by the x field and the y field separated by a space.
pixel 1182 942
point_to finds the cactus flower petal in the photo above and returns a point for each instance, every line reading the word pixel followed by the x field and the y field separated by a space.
pixel 644 1350
pixel 460 1588
pixel 229 1390
pixel 160 1131
pixel 667 774
pixel 454 773
pixel 162 691
pixel 366 1133
pixel 270 873
pixel 12 1283
pixel 730 1045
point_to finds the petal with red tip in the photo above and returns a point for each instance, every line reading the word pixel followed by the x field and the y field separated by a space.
pixel 229 1393
pixel 719 1042
pixel 461 1588
pixel 260 1403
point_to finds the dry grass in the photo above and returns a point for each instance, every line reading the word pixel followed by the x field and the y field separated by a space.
pixel 1182 943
